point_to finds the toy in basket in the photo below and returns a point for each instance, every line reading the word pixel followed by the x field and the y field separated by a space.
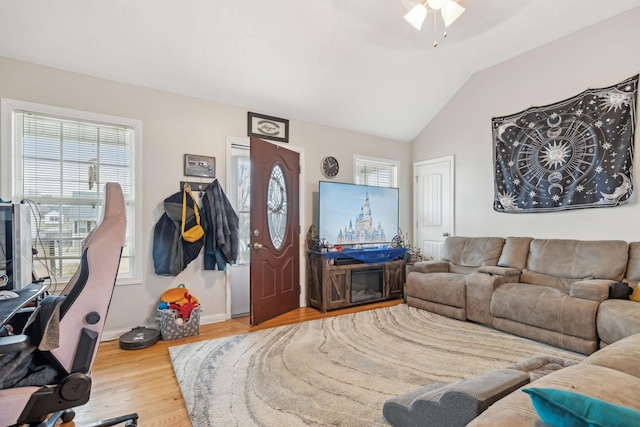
pixel 179 314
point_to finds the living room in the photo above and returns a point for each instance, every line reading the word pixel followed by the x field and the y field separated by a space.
pixel 599 55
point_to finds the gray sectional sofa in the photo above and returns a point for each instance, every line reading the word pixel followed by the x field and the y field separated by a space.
pixel 551 290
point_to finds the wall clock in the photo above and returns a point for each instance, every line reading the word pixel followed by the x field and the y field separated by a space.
pixel 330 166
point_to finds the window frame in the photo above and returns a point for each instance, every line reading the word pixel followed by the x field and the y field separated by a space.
pixel 389 162
pixel 9 183
pixel 236 143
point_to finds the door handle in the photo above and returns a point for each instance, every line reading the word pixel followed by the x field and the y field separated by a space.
pixel 445 234
pixel 257 245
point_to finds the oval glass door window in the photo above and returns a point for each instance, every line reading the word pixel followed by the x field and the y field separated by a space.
pixel 277 206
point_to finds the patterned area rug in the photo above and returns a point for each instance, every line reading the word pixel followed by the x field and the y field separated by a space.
pixel 337 371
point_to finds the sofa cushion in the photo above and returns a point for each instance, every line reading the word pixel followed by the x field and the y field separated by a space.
pixel 515 252
pixel 442 288
pixel 546 308
pixel 633 265
pixel 541 279
pixel 599 382
pixel 617 319
pixel 579 259
pixel 565 408
pixel 622 356
pixel 593 289
pixel 461 269
pixel 472 251
pixel 430 267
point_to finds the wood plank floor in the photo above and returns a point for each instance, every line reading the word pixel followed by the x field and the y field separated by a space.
pixel 142 381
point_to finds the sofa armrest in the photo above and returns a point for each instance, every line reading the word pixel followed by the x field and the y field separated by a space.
pixel 591 289
pixel 488 281
pixel 431 267
pixel 499 271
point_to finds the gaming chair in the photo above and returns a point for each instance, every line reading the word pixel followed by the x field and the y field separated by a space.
pixel 82 313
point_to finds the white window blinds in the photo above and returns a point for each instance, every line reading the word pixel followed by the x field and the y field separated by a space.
pixel 375 172
pixel 61 167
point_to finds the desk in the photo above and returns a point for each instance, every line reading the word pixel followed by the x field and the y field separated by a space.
pixel 9 307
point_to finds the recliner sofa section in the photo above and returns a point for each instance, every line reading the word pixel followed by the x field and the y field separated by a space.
pixel 439 286
pixel 558 293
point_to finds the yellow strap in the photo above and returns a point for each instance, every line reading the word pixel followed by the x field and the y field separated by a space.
pixel 187 189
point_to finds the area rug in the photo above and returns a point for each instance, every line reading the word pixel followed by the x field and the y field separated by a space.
pixel 337 371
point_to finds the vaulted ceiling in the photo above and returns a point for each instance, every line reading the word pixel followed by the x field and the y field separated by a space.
pixel 350 64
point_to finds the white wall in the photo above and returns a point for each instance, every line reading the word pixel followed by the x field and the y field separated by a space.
pixel 172 126
pixel 599 56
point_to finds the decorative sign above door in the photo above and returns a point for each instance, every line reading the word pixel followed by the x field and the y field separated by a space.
pixel 574 154
pixel 267 127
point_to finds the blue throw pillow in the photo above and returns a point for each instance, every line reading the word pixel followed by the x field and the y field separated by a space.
pixel 562 408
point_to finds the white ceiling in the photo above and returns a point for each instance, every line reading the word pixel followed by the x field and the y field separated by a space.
pixel 350 64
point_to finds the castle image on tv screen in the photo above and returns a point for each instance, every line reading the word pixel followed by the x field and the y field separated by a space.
pixel 352 214
pixel 364 229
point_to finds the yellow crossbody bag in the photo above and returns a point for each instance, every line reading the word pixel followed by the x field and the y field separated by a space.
pixel 196 232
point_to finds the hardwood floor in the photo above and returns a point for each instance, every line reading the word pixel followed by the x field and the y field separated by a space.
pixel 142 381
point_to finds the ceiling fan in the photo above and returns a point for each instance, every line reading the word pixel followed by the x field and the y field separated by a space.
pixel 418 9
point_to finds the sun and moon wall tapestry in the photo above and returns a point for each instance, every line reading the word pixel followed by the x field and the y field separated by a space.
pixel 574 154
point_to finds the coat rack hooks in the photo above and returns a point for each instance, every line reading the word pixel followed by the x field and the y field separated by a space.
pixel 195 186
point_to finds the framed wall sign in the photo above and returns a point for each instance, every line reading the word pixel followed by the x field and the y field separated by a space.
pixel 201 166
pixel 268 127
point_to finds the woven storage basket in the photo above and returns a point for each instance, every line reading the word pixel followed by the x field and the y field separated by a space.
pixel 170 330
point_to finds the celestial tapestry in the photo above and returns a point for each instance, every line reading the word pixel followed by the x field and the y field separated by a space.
pixel 574 154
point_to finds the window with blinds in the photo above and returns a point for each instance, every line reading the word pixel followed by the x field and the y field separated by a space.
pixel 61 165
pixel 376 172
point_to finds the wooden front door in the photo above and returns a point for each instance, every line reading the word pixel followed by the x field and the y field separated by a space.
pixel 275 227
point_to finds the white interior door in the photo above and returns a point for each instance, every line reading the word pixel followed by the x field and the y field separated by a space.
pixel 433 204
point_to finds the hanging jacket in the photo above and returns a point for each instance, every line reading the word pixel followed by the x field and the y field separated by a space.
pixel 221 240
pixel 171 253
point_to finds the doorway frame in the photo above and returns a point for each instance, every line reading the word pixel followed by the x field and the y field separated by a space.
pixel 230 140
pixel 452 173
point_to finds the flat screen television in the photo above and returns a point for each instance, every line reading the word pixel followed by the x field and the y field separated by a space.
pixel 351 214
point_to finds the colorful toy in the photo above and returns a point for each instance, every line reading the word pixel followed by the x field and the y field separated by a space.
pixel 180 300
pixel 185 309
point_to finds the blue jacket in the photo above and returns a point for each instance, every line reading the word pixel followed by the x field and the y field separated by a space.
pixel 171 253
pixel 221 239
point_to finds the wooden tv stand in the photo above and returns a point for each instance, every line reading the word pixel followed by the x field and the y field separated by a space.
pixel 331 287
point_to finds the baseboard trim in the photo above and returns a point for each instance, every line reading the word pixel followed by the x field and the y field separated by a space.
pixel 114 334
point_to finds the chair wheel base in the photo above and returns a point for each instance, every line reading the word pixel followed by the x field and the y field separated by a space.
pixel 67 416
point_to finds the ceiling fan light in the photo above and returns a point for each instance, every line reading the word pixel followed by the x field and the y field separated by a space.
pixel 450 12
pixel 438 4
pixel 416 16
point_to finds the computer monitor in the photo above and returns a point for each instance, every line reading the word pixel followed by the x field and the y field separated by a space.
pixel 15 246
